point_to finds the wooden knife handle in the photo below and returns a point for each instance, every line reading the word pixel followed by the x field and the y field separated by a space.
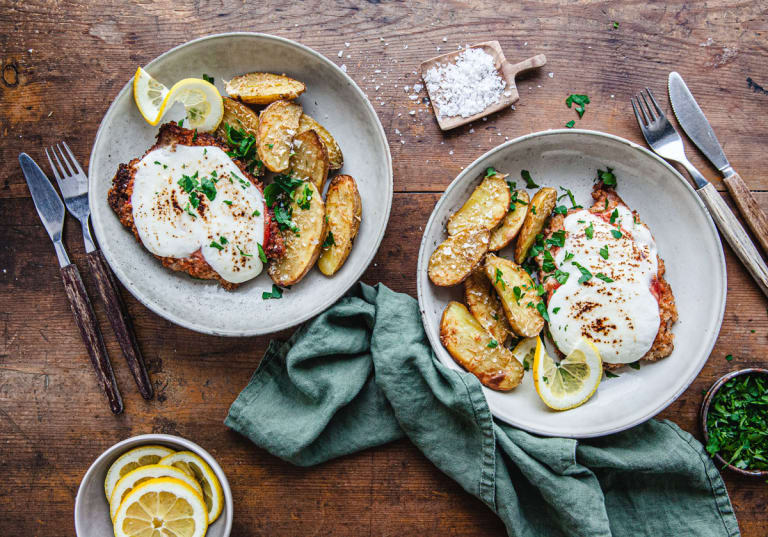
pixel 89 330
pixel 750 210
pixel 120 321
pixel 736 235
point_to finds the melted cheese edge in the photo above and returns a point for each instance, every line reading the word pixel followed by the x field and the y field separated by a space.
pixel 169 226
pixel 620 317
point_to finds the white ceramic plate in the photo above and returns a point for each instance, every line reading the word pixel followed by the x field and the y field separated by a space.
pixel 332 98
pixel 686 239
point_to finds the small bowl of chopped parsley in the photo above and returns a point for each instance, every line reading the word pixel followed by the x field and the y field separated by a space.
pixel 734 419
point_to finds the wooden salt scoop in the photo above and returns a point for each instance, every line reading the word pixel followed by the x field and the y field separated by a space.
pixel 506 71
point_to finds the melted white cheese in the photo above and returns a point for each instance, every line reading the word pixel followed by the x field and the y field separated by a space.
pixel 621 317
pixel 169 225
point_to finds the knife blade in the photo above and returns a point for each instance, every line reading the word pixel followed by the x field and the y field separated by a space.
pixel 47 202
pixel 695 123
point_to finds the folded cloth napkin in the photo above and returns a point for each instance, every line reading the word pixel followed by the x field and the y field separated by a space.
pixel 363 373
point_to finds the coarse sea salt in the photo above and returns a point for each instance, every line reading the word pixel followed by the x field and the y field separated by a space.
pixel 467 87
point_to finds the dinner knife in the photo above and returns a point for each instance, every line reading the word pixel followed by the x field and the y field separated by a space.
pixel 50 208
pixel 697 127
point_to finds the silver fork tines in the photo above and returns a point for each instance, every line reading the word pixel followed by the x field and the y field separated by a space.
pixel 73 183
pixel 661 135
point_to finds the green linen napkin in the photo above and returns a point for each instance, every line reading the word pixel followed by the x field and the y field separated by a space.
pixel 363 373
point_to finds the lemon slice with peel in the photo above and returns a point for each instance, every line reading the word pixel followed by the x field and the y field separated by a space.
pixel 196 467
pixel 162 507
pixel 130 460
pixel 202 101
pixel 525 351
pixel 570 382
pixel 144 473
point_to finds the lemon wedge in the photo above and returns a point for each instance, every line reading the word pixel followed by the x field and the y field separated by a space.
pixel 130 460
pixel 202 101
pixel 162 507
pixel 144 473
pixel 572 381
pixel 203 474
pixel 525 351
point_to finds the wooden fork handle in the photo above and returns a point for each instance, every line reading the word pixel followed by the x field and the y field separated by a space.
pixel 736 235
pixel 89 331
pixel 120 321
pixel 750 210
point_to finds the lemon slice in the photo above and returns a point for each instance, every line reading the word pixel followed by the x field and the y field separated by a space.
pixel 199 469
pixel 130 460
pixel 525 351
pixel 162 507
pixel 570 382
pixel 202 101
pixel 144 473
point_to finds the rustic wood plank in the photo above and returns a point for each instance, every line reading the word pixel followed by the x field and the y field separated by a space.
pixel 61 63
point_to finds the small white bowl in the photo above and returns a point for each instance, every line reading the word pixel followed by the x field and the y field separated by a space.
pixel 92 509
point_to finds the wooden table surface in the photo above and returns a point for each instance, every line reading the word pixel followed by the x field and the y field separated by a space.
pixel 62 64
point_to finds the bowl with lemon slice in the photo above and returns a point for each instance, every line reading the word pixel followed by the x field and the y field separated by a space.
pixel 154 483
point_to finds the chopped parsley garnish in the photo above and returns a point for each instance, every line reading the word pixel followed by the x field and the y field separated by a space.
pixel 329 240
pixel 223 240
pixel 529 183
pixel 303 198
pixel 499 278
pixel 278 197
pixel 216 245
pixel 561 276
pixel 180 123
pixel 634 365
pixel 533 209
pixel 604 252
pixel 208 187
pixel 262 255
pixel 514 199
pixel 194 136
pixel 557 238
pixel 570 197
pixel 610 375
pixel 616 233
pixel 585 274
pixel 729 357
pixel 256 212
pixel 228 202
pixel 495 316
pixel 492 344
pixel 189 183
pixel 518 293
pixel 208 78
pixel 276 293
pixel 543 310
pixel 601 276
pixel 589 231
pixel 243 253
pixel 568 256
pixel 607 177
pixel 271 145
pixel 188 210
pixel 243 147
pixel 490 171
pixel 540 289
pixel 548 265
pixel 737 422
pixel 570 124
pixel 615 25
pixel 555 310
pixel 561 209
pixel 614 216
pixel 579 100
pixel 158 163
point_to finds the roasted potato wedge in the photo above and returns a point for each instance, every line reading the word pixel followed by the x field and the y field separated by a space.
pixel 518 295
pixel 302 248
pixel 539 209
pixel 335 157
pixel 239 116
pixel 454 260
pixel 477 351
pixel 485 305
pixel 264 88
pixel 505 232
pixel 278 124
pixel 309 160
pixel 343 212
pixel 485 208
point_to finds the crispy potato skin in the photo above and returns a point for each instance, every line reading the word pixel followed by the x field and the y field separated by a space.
pixel 525 320
pixel 505 232
pixel 344 210
pixel 302 249
pixel 467 342
pixel 454 260
pixel 264 88
pixel 485 305
pixel 335 157
pixel 543 202
pixel 309 161
pixel 278 124
pixel 485 208
pixel 237 115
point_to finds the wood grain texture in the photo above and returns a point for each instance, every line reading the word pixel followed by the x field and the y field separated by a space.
pixel 61 64
pixel 750 210
pixel 120 320
pixel 88 324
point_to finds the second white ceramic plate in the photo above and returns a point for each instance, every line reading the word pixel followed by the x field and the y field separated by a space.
pixel 687 241
pixel 332 98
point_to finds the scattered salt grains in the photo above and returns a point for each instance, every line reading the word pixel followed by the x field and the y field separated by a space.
pixel 412 112
pixel 405 47
pixel 343 67
pixel 450 152
pixel 346 44
pixel 551 75
pixel 340 54
pixel 418 87
pixel 471 131
pixel 467 87
pixel 445 39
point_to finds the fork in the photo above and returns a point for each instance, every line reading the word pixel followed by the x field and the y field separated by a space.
pixel 73 183
pixel 667 143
